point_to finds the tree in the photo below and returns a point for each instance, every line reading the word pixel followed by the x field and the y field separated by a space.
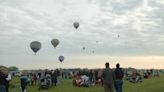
pixel 3 68
pixel 13 68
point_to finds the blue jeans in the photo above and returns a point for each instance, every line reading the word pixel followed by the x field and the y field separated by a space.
pixel 118 85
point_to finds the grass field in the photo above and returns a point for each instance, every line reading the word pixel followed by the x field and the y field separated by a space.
pixel 149 85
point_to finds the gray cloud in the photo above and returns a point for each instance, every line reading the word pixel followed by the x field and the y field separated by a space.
pixel 138 22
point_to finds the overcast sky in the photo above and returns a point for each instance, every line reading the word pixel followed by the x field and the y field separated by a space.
pixel 126 31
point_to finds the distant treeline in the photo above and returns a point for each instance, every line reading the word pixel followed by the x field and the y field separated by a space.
pixel 11 68
pixel 14 68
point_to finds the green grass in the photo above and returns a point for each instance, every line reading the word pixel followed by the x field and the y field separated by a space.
pixel 149 85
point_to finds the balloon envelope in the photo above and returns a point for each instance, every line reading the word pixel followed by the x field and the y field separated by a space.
pixel 76 24
pixel 61 58
pixel 93 51
pixel 83 48
pixel 35 46
pixel 55 42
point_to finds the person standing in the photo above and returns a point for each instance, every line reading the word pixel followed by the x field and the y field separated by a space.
pixel 108 78
pixel 119 76
pixel 90 77
pixel 24 82
pixel 58 76
pixel 8 79
pixel 54 77
pixel 2 82
pixel 100 77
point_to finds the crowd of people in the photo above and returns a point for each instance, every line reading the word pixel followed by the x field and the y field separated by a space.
pixel 105 77
pixel 110 79
pixel 43 79
pixel 87 78
pixel 137 76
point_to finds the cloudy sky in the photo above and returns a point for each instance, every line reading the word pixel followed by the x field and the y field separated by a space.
pixel 126 31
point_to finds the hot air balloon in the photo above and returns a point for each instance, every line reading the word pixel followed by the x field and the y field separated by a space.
pixel 61 58
pixel 55 42
pixel 83 48
pixel 35 46
pixel 76 24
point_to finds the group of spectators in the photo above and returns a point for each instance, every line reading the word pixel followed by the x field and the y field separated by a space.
pixel 150 73
pixel 107 77
pixel 43 79
pixel 110 79
pixel 137 76
pixel 87 77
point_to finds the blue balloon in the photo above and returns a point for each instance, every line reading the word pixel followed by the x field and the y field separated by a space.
pixel 61 58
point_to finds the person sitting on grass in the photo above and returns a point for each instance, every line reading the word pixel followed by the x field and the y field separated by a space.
pixel 77 80
pixel 136 77
pixel 43 84
pixel 85 81
pixel 145 75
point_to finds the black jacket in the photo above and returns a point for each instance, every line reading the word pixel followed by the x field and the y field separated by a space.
pixel 3 80
pixel 119 74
